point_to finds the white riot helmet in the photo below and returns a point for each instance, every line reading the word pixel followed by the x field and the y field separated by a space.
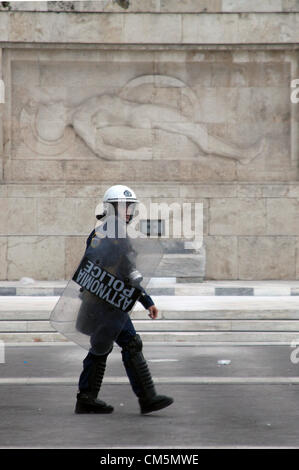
pixel 118 194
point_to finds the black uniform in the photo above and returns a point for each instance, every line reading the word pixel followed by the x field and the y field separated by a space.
pixel 136 368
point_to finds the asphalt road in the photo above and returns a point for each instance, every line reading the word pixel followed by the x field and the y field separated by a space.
pixel 250 401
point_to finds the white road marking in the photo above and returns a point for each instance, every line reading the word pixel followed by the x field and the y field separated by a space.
pixel 162 360
pixel 162 380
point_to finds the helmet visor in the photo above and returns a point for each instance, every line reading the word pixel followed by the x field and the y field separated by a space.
pixel 123 209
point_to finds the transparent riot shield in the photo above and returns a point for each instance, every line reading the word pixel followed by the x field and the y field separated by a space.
pixel 110 278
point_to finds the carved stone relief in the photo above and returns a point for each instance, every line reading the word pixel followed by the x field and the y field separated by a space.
pixel 181 125
pixel 220 116
pixel 123 127
pixel 44 128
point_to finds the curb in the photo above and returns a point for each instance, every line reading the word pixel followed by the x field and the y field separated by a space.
pixel 176 289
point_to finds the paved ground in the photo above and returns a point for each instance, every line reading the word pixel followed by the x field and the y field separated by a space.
pixel 250 402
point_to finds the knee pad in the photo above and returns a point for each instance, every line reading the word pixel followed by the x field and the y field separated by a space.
pixel 101 350
pixel 134 346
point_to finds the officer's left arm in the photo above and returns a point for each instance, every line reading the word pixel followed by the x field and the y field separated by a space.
pixel 153 312
pixel 148 303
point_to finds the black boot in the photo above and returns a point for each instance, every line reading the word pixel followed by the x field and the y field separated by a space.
pixel 89 386
pixel 141 380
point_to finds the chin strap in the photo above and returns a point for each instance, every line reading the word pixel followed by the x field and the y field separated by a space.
pixel 100 216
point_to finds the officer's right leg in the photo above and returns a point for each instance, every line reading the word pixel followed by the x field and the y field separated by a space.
pixel 138 371
pixel 90 382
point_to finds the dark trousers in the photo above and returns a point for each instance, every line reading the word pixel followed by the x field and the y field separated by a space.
pixel 127 333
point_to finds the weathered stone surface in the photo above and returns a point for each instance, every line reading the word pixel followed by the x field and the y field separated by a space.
pixel 26 6
pixel 258 175
pixel 34 171
pixel 21 26
pixel 282 216
pixel 151 28
pixel 232 216
pixel 207 191
pixel 183 265
pixel 107 6
pixel 155 131
pixel 189 6
pixel 221 257
pixel 67 6
pixel 157 171
pixel 35 191
pixel 144 28
pixel 293 190
pixel 68 216
pixel 252 28
pixel 17 216
pixel 297 259
pixel 267 258
pixel 156 6
pixel 35 257
pixel 4 27
pixel 74 250
pixel 3 257
pixel 171 98
pixel 290 5
pixel 249 190
pixel 252 5
pixel 276 190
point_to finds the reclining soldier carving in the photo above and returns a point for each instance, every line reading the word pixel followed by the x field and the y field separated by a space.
pixel 116 128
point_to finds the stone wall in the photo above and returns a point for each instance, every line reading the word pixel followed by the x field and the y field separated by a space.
pixel 181 106
pixel 158 6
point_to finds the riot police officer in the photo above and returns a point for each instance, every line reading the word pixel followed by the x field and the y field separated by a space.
pixel 130 342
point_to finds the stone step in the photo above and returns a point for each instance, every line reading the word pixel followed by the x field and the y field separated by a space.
pixel 254 315
pixel 222 336
pixel 187 308
pixel 181 318
pixel 169 325
pixel 217 325
pixel 169 337
pixel 223 314
pixel 166 286
pixel 177 303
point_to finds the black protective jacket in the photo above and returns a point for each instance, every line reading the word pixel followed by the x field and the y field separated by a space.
pixel 144 299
